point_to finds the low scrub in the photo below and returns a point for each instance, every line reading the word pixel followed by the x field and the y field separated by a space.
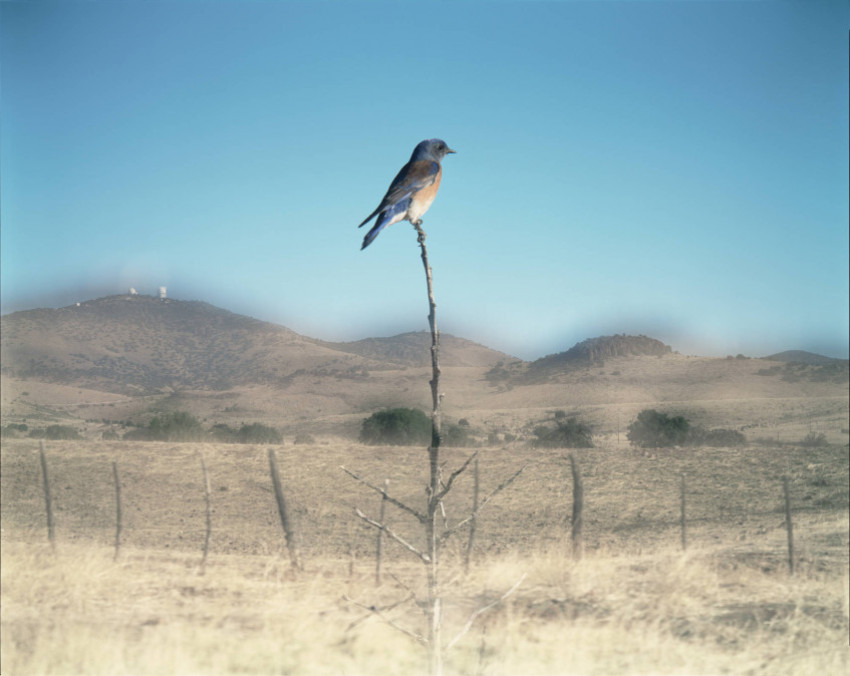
pixel 659 430
pixel 401 426
pixel 567 433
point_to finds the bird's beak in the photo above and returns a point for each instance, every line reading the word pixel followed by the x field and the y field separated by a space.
pixel 449 150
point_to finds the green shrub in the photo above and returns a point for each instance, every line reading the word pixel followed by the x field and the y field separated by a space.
pixel 653 430
pixel 402 426
pixel 304 438
pixel 568 433
pixel 55 432
pixel 257 433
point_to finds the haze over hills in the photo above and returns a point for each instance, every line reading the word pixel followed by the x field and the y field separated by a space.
pixel 126 357
pixel 141 344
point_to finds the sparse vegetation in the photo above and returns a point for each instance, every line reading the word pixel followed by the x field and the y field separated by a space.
pixel 657 430
pixel 814 440
pixel 634 604
pixel 55 432
pixel 567 433
pixel 401 426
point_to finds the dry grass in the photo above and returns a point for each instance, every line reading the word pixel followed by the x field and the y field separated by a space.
pixel 664 613
pixel 635 604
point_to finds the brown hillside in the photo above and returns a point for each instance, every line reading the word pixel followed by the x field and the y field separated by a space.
pixel 413 349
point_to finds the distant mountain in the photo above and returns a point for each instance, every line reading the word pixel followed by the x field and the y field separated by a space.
pixel 141 344
pixel 803 357
pixel 595 351
pixel 413 349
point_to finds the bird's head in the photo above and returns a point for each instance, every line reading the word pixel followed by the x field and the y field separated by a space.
pixel 433 149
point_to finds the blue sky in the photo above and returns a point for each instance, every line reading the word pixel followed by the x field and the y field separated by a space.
pixel 678 169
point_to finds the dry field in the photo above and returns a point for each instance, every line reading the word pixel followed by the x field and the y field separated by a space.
pixel 635 604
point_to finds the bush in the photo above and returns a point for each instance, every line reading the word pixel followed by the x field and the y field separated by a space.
pixel 55 432
pixel 304 438
pixel 257 433
pixel 177 426
pixel 814 440
pixel 13 429
pixel 402 426
pixel 653 430
pixel 457 435
pixel 569 433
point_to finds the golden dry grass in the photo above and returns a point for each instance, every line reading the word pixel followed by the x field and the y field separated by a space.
pixel 635 604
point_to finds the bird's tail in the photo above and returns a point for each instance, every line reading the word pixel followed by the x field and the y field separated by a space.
pixel 373 233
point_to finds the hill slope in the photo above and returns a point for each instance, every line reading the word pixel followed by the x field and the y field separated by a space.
pixel 140 344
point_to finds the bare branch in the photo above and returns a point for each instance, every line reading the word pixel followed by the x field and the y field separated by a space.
pixel 454 529
pixel 394 536
pixel 419 517
pixel 379 612
pixel 454 475
pixel 484 609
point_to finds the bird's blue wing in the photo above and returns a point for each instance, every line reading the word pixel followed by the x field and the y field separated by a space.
pixel 413 177
pixel 384 219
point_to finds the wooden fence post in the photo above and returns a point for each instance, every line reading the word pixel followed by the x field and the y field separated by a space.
pixel 578 505
pixel 288 529
pixel 788 526
pixel 118 523
pixel 682 514
pixel 379 544
pixel 48 502
pixel 208 531
pixel 473 518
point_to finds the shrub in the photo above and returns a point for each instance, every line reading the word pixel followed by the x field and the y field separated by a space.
pixel 257 433
pixel 653 430
pixel 177 426
pixel 814 440
pixel 402 426
pixel 304 438
pixel 55 432
pixel 109 435
pixel 457 435
pixel 569 433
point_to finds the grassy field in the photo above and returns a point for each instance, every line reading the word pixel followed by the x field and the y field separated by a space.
pixel 635 604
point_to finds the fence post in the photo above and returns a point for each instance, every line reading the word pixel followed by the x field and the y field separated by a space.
pixel 118 522
pixel 379 545
pixel 51 532
pixel 788 526
pixel 208 513
pixel 578 505
pixel 473 519
pixel 288 530
pixel 682 515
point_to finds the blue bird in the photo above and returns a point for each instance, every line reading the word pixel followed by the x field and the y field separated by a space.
pixel 412 190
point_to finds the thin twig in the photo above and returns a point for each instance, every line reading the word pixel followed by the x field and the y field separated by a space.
pixel 372 609
pixel 454 529
pixel 419 517
pixel 393 535
pixel 484 609
pixel 454 475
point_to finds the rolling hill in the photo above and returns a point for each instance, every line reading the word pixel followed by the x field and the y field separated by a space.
pixel 143 345
pixel 125 358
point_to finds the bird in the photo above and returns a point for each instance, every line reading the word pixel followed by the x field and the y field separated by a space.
pixel 412 190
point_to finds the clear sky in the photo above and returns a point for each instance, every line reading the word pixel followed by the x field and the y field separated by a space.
pixel 677 169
